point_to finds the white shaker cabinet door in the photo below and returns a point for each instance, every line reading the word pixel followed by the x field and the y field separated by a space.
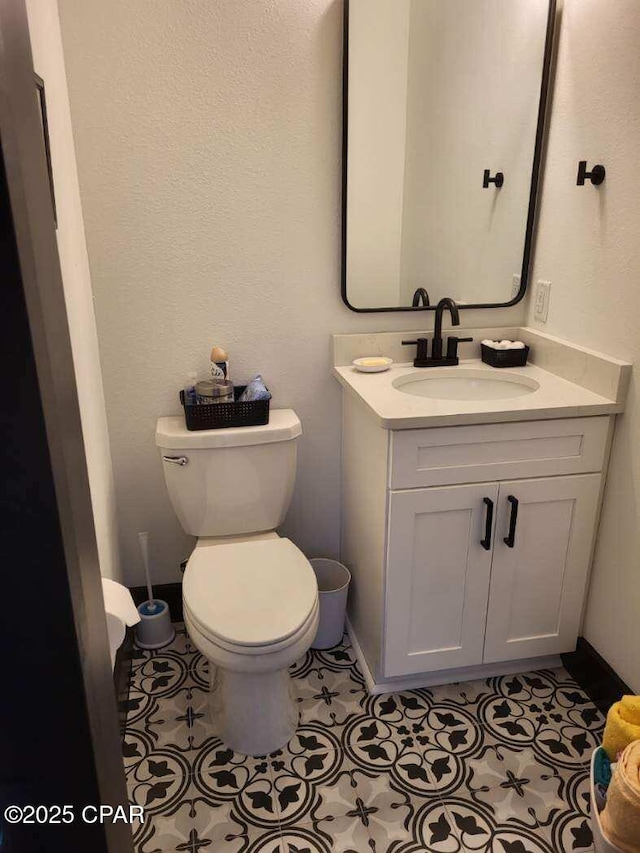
pixel 437 580
pixel 538 577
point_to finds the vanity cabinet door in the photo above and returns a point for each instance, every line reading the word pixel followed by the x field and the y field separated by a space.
pixel 538 584
pixel 437 580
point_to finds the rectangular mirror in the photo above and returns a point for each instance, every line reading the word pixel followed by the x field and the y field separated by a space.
pixel 444 123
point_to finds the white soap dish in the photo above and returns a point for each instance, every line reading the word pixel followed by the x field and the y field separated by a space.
pixel 372 364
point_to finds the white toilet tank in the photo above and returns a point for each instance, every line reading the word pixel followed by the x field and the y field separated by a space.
pixel 230 481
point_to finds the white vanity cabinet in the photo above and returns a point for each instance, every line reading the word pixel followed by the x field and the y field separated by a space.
pixel 459 595
pixel 426 513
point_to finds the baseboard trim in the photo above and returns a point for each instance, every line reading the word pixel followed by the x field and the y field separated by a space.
pixel 598 679
pixel 169 592
pixel 122 677
pixel 447 676
pixel 362 661
pixel 466 673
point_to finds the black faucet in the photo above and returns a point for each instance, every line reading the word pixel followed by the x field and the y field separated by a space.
pixel 446 302
pixel 422 358
pixel 420 297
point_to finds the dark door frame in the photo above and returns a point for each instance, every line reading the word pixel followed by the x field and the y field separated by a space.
pixel 39 271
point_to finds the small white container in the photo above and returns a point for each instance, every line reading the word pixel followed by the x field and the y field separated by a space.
pixel 333 587
pixel 372 364
pixel 600 843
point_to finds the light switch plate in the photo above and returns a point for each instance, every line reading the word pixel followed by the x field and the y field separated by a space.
pixel 515 285
pixel 541 307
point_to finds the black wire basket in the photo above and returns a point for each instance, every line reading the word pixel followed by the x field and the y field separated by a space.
pixel 504 357
pixel 221 415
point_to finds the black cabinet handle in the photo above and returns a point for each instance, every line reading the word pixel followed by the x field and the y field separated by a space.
pixel 486 542
pixel 510 540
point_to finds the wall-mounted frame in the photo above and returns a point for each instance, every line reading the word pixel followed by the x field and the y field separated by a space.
pixel 532 193
pixel 42 109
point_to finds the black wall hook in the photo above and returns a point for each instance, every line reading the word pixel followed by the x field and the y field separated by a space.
pixel 596 175
pixel 498 180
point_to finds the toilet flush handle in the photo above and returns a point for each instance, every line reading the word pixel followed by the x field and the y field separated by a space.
pixel 176 460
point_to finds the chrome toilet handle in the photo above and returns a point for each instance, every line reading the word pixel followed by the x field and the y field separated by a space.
pixel 176 460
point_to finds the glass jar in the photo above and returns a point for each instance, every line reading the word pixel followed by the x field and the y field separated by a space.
pixel 212 391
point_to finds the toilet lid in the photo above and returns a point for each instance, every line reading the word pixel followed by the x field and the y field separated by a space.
pixel 252 593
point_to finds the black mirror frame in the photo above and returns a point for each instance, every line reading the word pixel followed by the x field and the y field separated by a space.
pixel 535 172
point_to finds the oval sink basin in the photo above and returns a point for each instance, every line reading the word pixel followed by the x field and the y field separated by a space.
pixel 460 383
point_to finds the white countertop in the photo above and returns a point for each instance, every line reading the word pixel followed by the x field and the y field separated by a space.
pixel 395 409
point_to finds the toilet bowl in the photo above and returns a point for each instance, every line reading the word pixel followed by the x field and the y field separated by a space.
pixel 251 608
pixel 250 598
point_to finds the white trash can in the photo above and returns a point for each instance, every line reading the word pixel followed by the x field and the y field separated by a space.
pixel 333 587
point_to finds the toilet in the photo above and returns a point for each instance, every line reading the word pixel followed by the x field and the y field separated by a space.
pixel 250 597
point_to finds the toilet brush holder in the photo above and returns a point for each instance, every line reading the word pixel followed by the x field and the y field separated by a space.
pixel 154 629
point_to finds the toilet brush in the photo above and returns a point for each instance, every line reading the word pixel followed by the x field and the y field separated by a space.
pixel 144 547
pixel 154 629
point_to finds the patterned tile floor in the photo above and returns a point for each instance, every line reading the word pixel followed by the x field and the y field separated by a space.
pixel 493 766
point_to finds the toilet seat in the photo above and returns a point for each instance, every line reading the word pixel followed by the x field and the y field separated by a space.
pixel 251 598
pixel 253 651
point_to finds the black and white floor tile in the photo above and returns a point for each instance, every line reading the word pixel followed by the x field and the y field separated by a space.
pixel 493 766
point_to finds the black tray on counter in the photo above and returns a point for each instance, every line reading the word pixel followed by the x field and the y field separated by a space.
pixel 504 357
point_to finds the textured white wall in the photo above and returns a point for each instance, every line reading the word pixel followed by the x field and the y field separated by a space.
pixel 588 246
pixel 208 138
pixel 48 59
